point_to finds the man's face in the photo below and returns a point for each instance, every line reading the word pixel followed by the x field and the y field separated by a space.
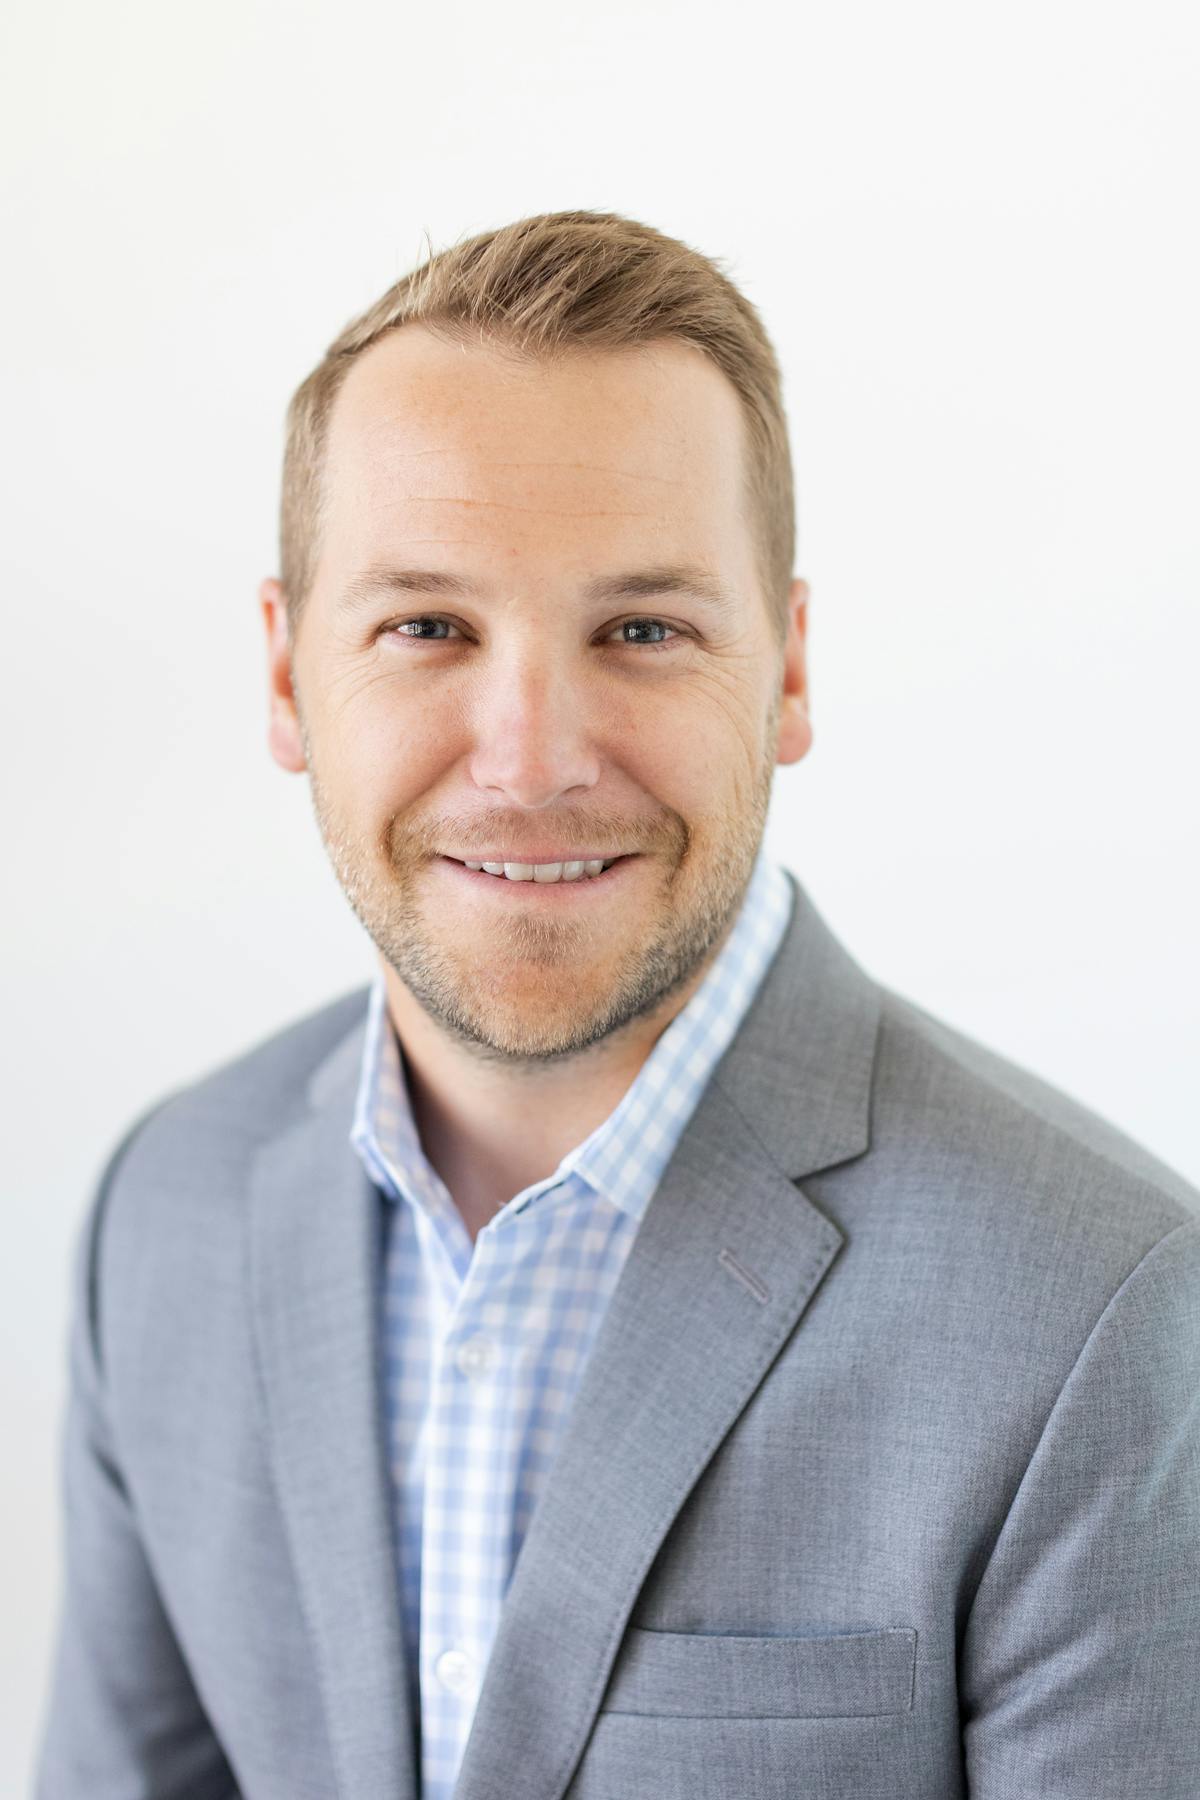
pixel 513 710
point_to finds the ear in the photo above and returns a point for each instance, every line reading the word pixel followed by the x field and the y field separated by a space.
pixel 283 731
pixel 795 725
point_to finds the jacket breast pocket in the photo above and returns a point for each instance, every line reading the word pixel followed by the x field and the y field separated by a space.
pixel 684 1674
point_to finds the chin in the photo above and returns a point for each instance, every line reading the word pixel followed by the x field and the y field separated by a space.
pixel 534 1032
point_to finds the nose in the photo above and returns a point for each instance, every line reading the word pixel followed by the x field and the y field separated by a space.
pixel 533 730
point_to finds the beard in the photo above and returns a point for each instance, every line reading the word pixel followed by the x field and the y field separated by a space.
pixel 532 989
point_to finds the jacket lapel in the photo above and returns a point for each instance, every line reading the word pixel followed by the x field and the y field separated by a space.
pixel 727 1258
pixel 315 1270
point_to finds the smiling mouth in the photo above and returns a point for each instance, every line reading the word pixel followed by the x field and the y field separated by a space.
pixel 545 874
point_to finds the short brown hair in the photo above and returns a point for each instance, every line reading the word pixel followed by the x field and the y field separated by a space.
pixel 541 287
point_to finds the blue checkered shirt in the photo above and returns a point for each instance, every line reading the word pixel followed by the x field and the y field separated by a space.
pixel 485 1343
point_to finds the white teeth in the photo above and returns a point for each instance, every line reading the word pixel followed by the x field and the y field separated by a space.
pixel 546 872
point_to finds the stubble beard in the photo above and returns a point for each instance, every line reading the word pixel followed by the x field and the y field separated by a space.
pixel 542 988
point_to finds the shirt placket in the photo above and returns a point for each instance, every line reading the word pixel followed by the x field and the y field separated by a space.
pixel 464 1533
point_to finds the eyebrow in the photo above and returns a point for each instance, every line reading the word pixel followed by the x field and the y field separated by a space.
pixel 634 584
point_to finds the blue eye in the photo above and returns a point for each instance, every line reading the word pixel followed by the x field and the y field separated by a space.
pixel 415 630
pixel 402 629
pixel 654 624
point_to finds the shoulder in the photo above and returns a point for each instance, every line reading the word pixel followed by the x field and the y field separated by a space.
pixel 253 1094
pixel 1023 1199
pixel 985 1107
pixel 173 1183
pixel 204 1134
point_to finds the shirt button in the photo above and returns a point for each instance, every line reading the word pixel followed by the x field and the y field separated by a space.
pixel 453 1669
pixel 474 1357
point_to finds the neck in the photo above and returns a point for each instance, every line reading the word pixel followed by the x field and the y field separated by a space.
pixel 491 1130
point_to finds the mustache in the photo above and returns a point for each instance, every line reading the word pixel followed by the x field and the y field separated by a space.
pixel 501 832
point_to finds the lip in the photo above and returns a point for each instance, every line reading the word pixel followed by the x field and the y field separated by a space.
pixel 540 856
pixel 554 893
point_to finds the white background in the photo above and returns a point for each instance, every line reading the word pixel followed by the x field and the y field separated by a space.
pixel 971 231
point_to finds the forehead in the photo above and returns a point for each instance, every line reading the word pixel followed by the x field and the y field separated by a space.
pixel 594 456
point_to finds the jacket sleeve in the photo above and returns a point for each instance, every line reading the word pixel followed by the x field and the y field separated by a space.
pixel 122 1719
pixel 1079 1670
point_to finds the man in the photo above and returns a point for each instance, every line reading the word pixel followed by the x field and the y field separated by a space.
pixel 625 1351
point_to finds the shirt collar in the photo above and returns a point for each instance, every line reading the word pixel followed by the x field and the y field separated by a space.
pixel 624 1157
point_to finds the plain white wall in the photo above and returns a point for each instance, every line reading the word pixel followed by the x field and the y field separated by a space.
pixel 971 232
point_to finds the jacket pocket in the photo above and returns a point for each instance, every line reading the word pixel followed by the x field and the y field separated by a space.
pixel 686 1674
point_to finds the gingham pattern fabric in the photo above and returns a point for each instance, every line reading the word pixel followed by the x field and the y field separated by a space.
pixel 485 1344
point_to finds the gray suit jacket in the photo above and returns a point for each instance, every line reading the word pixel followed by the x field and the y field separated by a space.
pixel 883 1480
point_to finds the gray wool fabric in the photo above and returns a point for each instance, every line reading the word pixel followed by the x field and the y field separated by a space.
pixel 882 1481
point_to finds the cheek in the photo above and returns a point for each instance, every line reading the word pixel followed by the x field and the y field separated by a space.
pixel 706 751
pixel 380 755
